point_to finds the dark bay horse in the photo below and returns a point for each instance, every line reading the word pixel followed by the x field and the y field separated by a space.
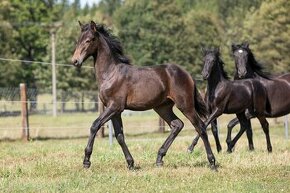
pixel 229 97
pixel 277 86
pixel 124 86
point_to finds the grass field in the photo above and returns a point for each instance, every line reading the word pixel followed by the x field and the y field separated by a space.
pixel 55 165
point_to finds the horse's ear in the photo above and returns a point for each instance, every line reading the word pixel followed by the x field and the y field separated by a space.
pixel 203 51
pixel 81 25
pixel 234 47
pixel 246 45
pixel 93 26
pixel 217 49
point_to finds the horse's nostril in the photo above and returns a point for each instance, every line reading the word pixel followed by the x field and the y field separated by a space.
pixel 74 61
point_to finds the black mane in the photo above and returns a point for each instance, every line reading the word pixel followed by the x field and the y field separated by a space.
pixel 216 53
pixel 256 66
pixel 224 73
pixel 113 43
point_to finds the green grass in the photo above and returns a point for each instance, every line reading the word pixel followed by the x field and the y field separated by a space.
pixel 56 165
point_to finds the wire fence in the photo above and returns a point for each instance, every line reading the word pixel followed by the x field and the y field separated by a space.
pixel 74 118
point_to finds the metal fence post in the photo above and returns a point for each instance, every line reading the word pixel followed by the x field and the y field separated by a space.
pixel 161 128
pixel 24 112
pixel 286 127
pixel 110 132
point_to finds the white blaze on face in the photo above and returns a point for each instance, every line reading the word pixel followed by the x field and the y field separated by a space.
pixel 240 51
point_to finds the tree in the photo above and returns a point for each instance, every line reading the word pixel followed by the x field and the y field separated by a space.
pixel 267 31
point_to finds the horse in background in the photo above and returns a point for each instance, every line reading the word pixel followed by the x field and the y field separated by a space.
pixel 225 96
pixel 277 86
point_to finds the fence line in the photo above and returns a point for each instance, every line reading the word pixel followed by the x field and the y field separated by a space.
pixel 40 62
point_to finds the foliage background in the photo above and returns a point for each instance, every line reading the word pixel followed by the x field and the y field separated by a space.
pixel 151 31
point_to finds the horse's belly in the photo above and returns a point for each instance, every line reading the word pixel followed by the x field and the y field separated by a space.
pixel 144 99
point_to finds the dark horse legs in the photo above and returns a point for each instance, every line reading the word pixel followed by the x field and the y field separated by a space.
pixel 245 124
pixel 103 118
pixel 176 125
pixel 118 128
pixel 249 133
pixel 265 126
pixel 165 111
pixel 214 130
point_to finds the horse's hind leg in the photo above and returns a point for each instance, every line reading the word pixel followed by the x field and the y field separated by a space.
pixel 118 128
pixel 200 127
pixel 265 126
pixel 244 124
pixel 165 111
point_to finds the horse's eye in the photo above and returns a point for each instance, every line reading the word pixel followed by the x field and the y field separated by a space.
pixel 93 39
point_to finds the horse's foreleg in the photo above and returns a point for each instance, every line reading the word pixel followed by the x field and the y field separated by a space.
pixel 103 118
pixel 244 123
pixel 118 128
pixel 193 144
pixel 214 130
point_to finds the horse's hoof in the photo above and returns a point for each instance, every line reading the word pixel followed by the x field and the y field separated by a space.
pixel 229 151
pixel 213 168
pixel 131 167
pixel 269 150
pixel 159 164
pixel 189 150
pixel 219 149
pixel 251 148
pixel 87 164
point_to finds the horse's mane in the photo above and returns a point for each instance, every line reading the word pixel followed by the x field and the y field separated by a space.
pixel 224 73
pixel 216 53
pixel 256 66
pixel 113 43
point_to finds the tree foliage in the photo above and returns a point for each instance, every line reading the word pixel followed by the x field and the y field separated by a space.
pixel 151 31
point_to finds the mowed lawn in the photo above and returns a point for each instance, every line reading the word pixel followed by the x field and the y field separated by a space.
pixel 55 165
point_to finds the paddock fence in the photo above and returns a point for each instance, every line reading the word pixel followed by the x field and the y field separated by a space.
pixel 28 113
pixel 31 116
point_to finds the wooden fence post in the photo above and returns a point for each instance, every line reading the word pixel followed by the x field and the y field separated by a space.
pixel 24 112
pixel 161 125
pixel 101 132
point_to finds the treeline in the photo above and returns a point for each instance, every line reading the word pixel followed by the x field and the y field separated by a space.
pixel 151 31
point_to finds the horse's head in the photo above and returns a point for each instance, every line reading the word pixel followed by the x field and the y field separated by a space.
pixel 87 44
pixel 241 56
pixel 211 57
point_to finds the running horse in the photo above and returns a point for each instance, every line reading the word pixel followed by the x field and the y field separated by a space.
pixel 225 96
pixel 277 86
pixel 125 86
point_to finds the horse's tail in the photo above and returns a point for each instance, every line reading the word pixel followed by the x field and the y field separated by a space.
pixel 200 105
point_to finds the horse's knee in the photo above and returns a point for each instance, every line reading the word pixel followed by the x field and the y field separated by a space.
pixel 176 126
pixel 120 138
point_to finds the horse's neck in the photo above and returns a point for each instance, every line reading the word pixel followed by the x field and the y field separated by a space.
pixel 214 79
pixel 103 63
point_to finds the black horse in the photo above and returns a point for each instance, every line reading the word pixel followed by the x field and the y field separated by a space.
pixel 229 97
pixel 277 86
pixel 124 86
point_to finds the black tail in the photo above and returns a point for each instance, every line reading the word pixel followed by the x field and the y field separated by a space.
pixel 200 105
